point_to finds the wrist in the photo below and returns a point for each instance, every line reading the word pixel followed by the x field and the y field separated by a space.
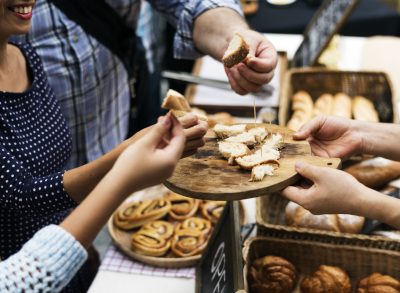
pixel 360 131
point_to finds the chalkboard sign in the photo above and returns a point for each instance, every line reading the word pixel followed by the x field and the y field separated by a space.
pixel 221 266
pixel 326 22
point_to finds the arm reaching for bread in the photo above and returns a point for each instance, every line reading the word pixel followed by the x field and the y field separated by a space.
pixel 345 196
pixel 340 137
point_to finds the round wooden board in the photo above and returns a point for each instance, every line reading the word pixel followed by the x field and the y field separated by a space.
pixel 207 175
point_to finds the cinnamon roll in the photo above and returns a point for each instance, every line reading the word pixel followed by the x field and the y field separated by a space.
pixel 136 214
pixel 153 239
pixel 188 242
pixel 194 223
pixel 211 210
pixel 182 207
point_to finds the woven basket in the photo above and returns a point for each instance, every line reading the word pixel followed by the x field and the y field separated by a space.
pixel 270 218
pixel 375 86
pixel 307 256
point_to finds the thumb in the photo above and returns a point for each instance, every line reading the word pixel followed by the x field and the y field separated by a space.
pixel 309 128
pixel 158 131
pixel 308 171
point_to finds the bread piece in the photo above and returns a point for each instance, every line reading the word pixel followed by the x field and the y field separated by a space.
pixel 327 279
pixel 323 105
pixel 275 142
pixel 220 118
pixel 232 150
pixel 341 106
pixel 260 133
pixel 236 52
pixel 364 110
pixel 302 108
pixel 175 101
pixel 375 173
pixel 245 138
pixel 297 216
pixel 250 161
pixel 224 131
pixel 377 283
pixel 272 274
pixel 259 172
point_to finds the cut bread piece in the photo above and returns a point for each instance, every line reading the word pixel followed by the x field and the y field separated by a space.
pixel 260 171
pixel 260 133
pixel 175 101
pixel 232 150
pixel 224 131
pixel 250 161
pixel 236 52
pixel 245 138
pixel 275 143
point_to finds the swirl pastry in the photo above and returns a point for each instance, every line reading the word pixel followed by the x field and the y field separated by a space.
pixel 182 207
pixel 136 214
pixel 188 242
pixel 378 283
pixel 272 274
pixel 198 224
pixel 153 239
pixel 327 279
pixel 211 210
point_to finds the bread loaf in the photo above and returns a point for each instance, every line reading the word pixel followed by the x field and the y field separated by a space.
pixel 364 110
pixel 297 216
pixel 323 105
pixel 327 279
pixel 341 106
pixel 302 108
pixel 377 283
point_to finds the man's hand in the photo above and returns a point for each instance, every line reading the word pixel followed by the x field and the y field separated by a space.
pixel 258 68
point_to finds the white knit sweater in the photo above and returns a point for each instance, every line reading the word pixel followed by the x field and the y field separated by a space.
pixel 46 263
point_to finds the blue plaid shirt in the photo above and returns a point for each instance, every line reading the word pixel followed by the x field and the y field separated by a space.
pixel 89 81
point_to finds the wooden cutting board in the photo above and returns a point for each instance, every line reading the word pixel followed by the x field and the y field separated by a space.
pixel 207 175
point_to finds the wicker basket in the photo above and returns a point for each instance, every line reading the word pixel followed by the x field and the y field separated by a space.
pixel 307 256
pixel 375 86
pixel 270 218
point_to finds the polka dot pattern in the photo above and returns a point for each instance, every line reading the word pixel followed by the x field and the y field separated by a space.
pixel 35 145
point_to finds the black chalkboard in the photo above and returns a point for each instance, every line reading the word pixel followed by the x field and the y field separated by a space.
pixel 326 22
pixel 221 266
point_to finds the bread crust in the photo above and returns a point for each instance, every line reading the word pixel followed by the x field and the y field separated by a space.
pixel 238 55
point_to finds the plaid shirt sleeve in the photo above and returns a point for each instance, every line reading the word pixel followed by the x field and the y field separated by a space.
pixel 182 14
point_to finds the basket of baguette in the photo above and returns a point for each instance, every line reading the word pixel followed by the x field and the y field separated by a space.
pixel 308 92
pixel 282 265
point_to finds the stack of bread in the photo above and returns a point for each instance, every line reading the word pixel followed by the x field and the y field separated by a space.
pixel 339 104
pixel 238 146
pixel 278 275
pixel 172 225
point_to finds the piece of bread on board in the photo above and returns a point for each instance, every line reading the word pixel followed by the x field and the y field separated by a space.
pixel 260 171
pixel 364 110
pixel 232 150
pixel 236 52
pixel 258 158
pixel 224 131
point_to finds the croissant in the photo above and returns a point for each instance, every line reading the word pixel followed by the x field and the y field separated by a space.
pixel 182 207
pixel 211 210
pixel 377 283
pixel 136 214
pixel 272 274
pixel 153 239
pixel 327 279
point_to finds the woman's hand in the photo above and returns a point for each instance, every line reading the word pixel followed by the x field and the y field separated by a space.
pixel 332 191
pixel 152 158
pixel 194 130
pixel 332 136
pixel 258 69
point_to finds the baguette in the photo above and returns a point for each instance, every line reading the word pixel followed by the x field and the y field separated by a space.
pixel 364 110
pixel 342 106
pixel 236 52
pixel 224 131
pixel 250 161
pixel 260 171
pixel 232 150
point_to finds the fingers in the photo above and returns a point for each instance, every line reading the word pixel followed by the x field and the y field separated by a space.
pixel 308 171
pixel 310 128
pixel 194 144
pixel 244 83
pixel 188 120
pixel 234 85
pixel 264 62
pixel 197 131
pixel 155 135
pixel 295 193
pixel 255 77
pixel 177 141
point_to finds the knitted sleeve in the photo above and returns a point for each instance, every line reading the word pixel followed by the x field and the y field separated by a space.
pixel 46 263
pixel 20 191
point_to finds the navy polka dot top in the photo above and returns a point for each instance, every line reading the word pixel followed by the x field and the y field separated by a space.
pixel 35 144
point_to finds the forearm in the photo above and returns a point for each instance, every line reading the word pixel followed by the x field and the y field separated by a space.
pixel 375 205
pixel 90 216
pixel 214 29
pixel 380 139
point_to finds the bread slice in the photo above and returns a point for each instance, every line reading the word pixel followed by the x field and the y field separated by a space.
pixel 175 101
pixel 236 52
pixel 260 133
pixel 260 171
pixel 245 138
pixel 224 131
pixel 232 150
pixel 258 158
pixel 275 143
